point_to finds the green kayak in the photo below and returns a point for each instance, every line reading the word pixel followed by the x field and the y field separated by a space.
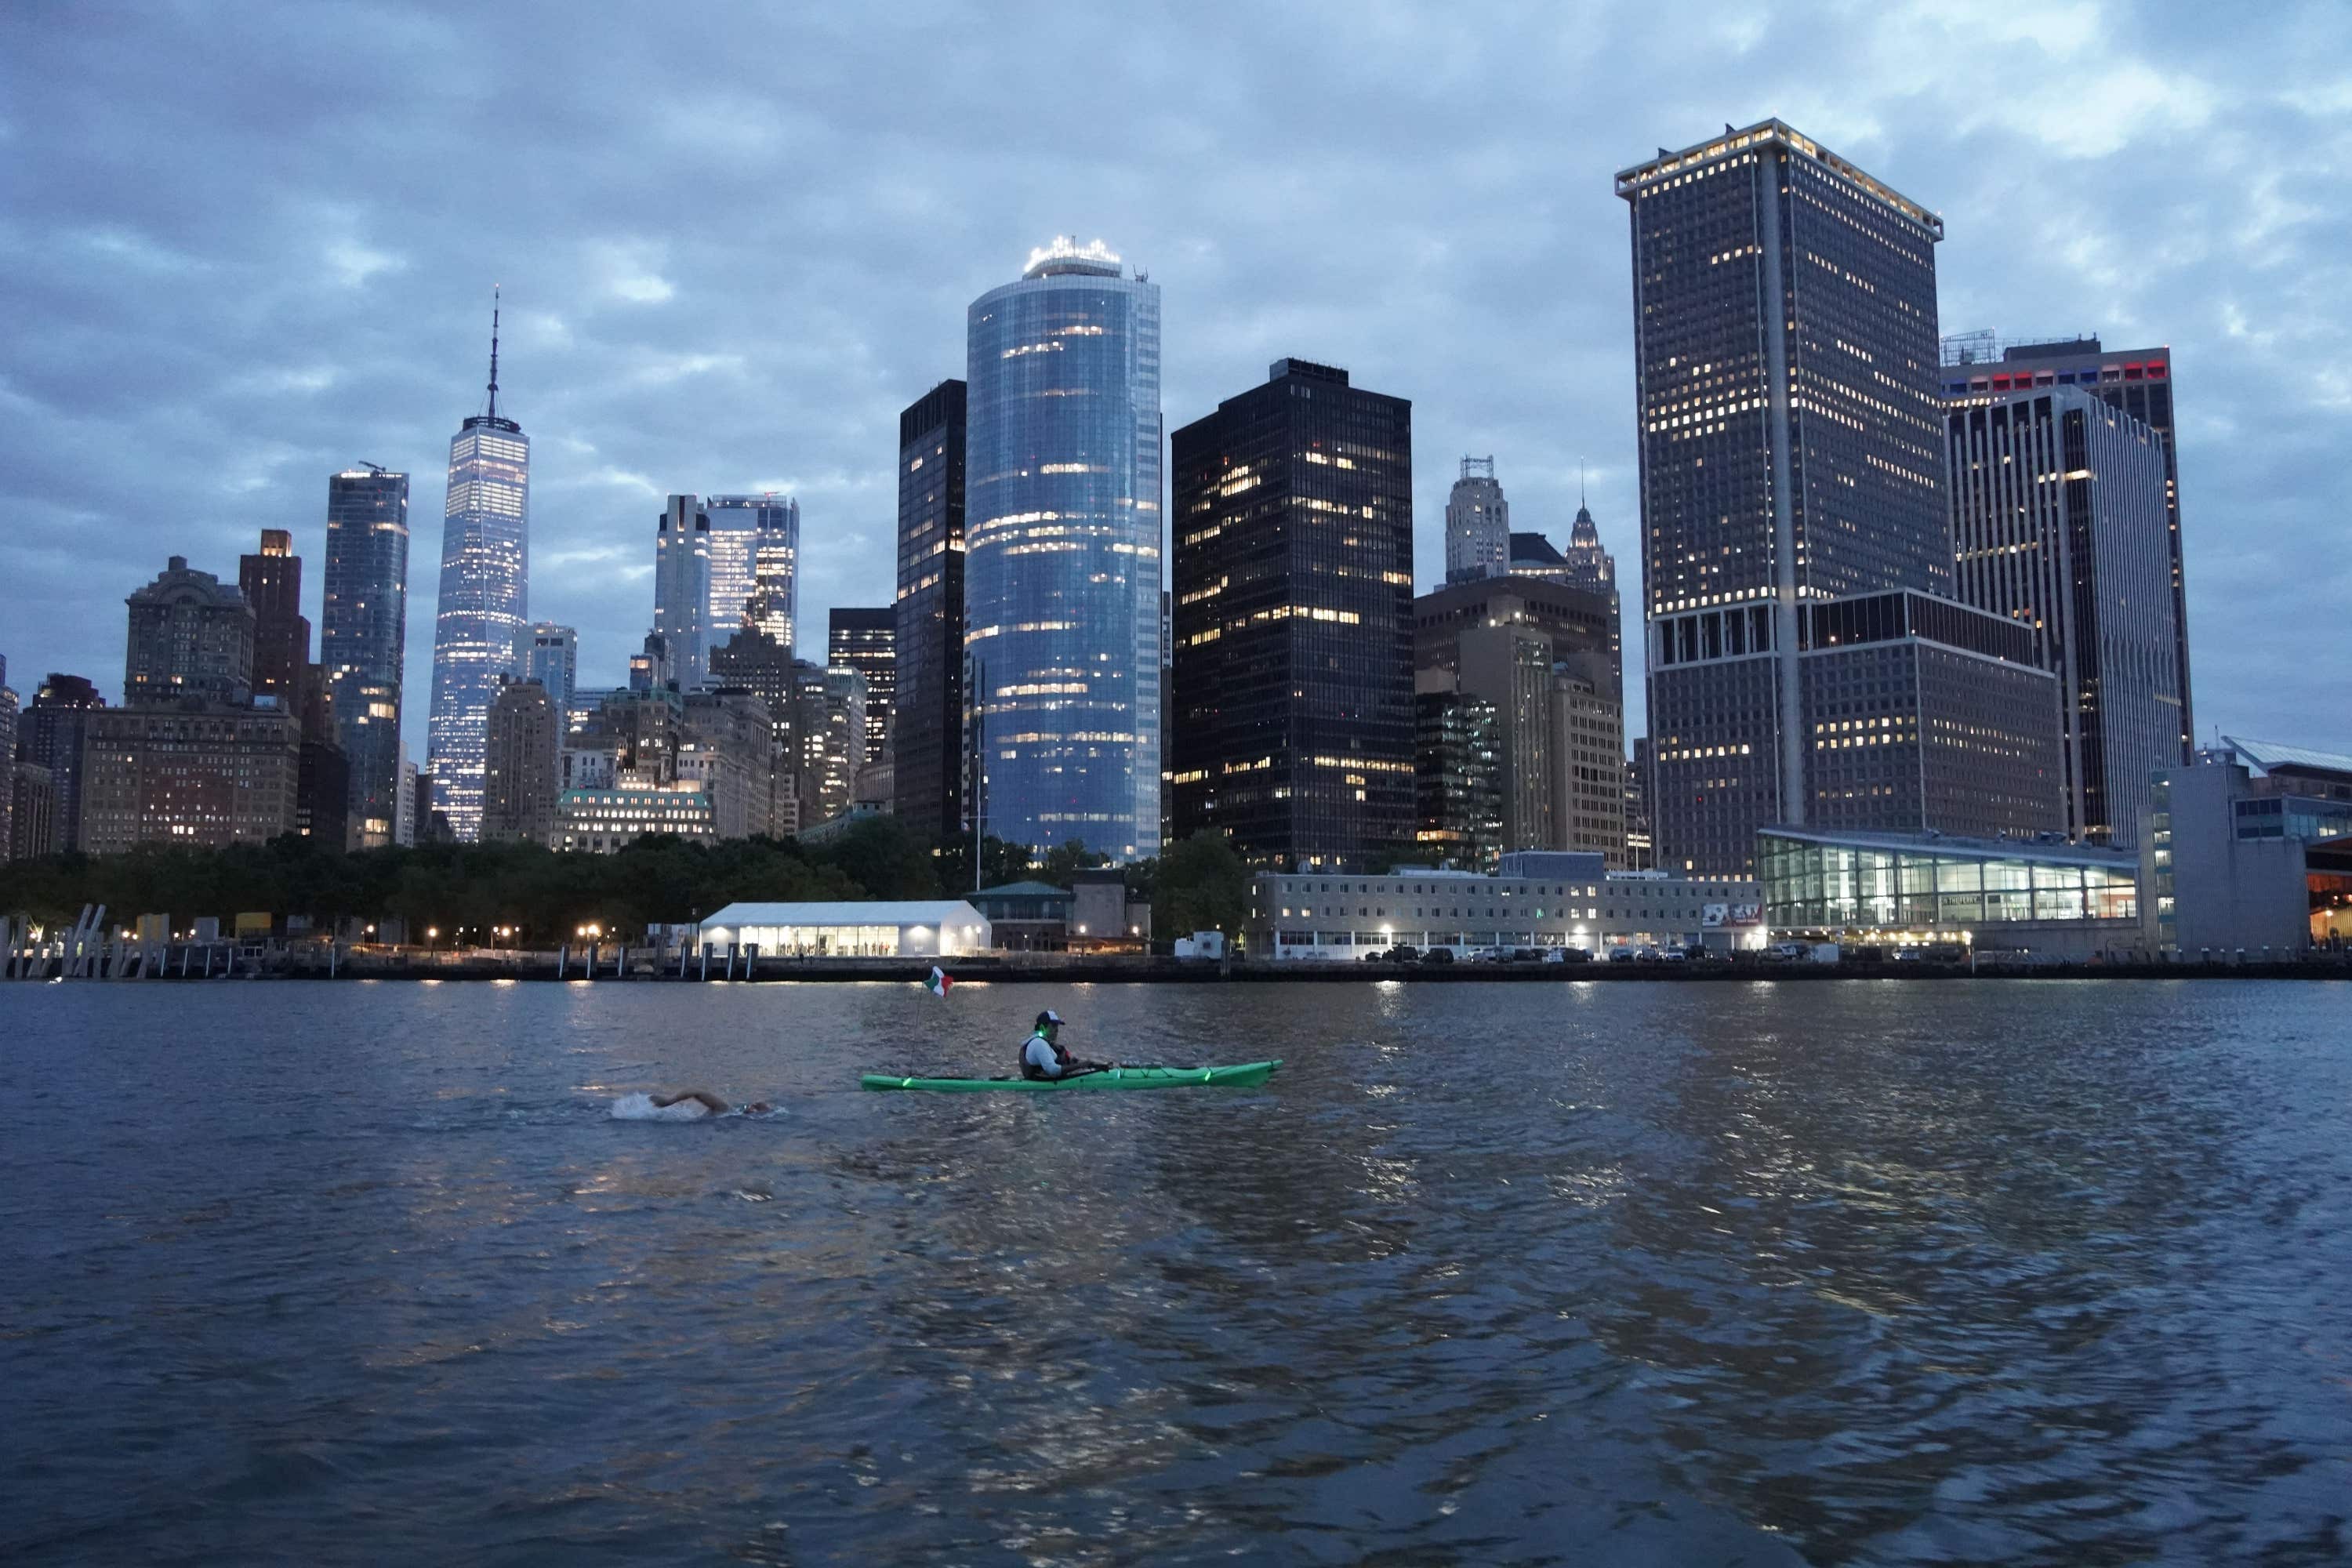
pixel 1248 1075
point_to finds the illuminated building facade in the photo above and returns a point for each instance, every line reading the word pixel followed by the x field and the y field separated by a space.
pixel 1292 691
pixel 1791 440
pixel 2059 522
pixel 363 637
pixel 599 821
pixel 191 638
pixel 271 582
pixel 481 619
pixel 2137 382
pixel 2248 854
pixel 1457 760
pixel 1478 525
pixel 927 720
pixel 197 774
pixel 755 549
pixel 866 641
pixel 1997 895
pixel 1063 551
pixel 682 591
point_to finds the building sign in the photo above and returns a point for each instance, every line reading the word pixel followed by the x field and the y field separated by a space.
pixel 1731 915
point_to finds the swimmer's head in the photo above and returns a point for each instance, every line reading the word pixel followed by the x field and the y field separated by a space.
pixel 758 1107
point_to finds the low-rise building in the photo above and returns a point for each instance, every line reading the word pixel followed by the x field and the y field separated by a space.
pixel 2041 895
pixel 1026 917
pixel 941 927
pixel 2248 852
pixel 1536 899
pixel 1103 916
pixel 599 821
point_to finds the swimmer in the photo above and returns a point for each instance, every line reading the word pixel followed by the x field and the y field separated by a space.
pixel 709 1101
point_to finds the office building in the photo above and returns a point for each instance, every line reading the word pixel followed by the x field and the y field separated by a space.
pixel 195 774
pixel 682 591
pixel 1532 555
pixel 599 821
pixel 1535 899
pixel 484 607
pixel 8 719
pixel 405 798
pixel 755 548
pixel 364 638
pixel 1571 620
pixel 826 748
pixel 520 759
pixel 1457 775
pixel 1589 566
pixel 2059 522
pixel 1292 693
pixel 322 789
pixel 191 640
pixel 32 812
pixel 1510 665
pixel 1585 735
pixel 1062 575
pixel 271 583
pixel 1792 444
pixel 926 745
pixel 728 749
pixel 2248 855
pixel 1478 525
pixel 551 658
pixel 866 642
pixel 1639 845
pixel 2137 382
pixel 52 732
pixel 2000 896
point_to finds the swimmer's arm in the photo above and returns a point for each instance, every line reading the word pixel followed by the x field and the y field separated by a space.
pixel 710 1102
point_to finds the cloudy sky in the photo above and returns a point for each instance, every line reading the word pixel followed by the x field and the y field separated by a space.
pixel 242 246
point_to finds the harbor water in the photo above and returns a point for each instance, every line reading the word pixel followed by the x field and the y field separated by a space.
pixel 1976 1272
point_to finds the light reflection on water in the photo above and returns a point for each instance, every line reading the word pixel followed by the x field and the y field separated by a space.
pixel 1672 1273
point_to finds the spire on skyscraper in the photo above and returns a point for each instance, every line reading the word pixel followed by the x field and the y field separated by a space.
pixel 494 351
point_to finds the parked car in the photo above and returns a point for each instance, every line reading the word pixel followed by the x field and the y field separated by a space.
pixel 1788 952
pixel 1438 955
pixel 1527 955
pixel 1673 955
pixel 1571 955
pixel 1869 952
pixel 1620 956
pixel 1403 952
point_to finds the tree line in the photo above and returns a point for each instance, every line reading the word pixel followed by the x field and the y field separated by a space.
pixel 541 897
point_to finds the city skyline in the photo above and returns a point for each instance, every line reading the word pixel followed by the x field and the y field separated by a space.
pixel 634 334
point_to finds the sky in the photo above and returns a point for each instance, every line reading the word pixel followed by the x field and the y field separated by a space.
pixel 243 245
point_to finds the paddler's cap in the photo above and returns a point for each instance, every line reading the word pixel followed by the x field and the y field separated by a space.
pixel 1048 1016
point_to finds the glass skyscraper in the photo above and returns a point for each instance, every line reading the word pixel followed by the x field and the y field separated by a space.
pixel 927 741
pixel 755 547
pixel 363 637
pixel 1063 558
pixel 682 594
pixel 480 619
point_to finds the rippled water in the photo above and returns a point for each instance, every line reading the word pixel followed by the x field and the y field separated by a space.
pixel 1671 1274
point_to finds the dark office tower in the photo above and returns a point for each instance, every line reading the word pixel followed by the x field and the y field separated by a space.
pixel 927 742
pixel 1791 451
pixel 8 718
pixel 271 583
pixel 1639 845
pixel 52 732
pixel 2059 522
pixel 866 641
pixel 2138 382
pixel 1292 694
pixel 191 637
pixel 322 792
pixel 1457 762
pixel 362 637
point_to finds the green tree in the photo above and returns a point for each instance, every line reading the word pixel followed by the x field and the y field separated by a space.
pixel 1201 885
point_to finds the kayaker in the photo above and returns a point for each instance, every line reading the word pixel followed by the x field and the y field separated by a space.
pixel 1042 1055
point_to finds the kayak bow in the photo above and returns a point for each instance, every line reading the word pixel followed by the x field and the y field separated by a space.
pixel 1247 1075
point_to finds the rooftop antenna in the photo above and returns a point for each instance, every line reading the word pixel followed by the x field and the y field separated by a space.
pixel 1579 484
pixel 494 351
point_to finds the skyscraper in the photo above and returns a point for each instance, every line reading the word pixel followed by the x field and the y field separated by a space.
pixel 484 605
pixel 1293 698
pixel 1478 525
pixel 682 590
pixel 1063 563
pixel 866 641
pixel 271 582
pixel 755 547
pixel 551 658
pixel 523 732
pixel 927 747
pixel 2059 522
pixel 1457 774
pixel 2136 380
pixel 363 637
pixel 1797 552
pixel 8 770
pixel 191 638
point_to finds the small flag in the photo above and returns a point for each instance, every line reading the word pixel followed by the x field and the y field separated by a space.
pixel 939 983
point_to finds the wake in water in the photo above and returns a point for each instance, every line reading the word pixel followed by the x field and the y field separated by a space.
pixel 641 1107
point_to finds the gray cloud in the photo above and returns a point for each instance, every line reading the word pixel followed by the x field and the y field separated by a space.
pixel 241 247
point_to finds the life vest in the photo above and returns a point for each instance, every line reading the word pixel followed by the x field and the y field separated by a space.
pixel 1062 1057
